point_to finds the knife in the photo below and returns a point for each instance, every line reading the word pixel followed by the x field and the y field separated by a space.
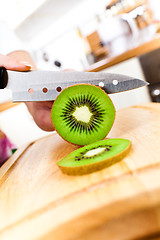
pixel 46 85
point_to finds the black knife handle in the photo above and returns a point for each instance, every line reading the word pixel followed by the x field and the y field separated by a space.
pixel 3 77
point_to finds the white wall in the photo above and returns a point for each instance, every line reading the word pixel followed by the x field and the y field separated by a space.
pixel 55 18
pixel 154 5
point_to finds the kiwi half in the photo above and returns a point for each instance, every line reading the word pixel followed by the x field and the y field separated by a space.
pixel 83 114
pixel 95 156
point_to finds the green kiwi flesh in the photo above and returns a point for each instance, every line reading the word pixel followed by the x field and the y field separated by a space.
pixel 83 114
pixel 95 156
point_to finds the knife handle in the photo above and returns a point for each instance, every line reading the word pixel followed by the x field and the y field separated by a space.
pixel 3 77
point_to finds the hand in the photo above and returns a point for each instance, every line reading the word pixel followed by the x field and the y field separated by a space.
pixel 40 111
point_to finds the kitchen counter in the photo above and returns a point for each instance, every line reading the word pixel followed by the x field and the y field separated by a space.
pixel 120 202
pixel 134 52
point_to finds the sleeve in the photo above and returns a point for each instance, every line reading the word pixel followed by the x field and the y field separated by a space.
pixel 9 42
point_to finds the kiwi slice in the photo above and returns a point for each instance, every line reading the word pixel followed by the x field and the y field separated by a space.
pixel 95 156
pixel 83 114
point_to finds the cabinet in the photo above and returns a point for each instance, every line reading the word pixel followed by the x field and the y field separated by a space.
pixel 143 16
pixel 125 6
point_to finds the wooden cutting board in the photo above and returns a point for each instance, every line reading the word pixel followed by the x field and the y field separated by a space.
pixel 37 201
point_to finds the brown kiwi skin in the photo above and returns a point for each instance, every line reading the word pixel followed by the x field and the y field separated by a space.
pixel 83 170
pixel 90 85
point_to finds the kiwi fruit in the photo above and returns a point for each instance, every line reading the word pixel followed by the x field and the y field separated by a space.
pixel 95 156
pixel 83 114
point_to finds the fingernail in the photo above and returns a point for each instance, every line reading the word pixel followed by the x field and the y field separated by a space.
pixel 26 64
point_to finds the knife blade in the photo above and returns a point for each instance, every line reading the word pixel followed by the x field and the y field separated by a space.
pixel 46 85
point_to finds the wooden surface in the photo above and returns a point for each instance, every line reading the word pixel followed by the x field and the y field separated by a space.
pixel 6 105
pixel 134 52
pixel 37 201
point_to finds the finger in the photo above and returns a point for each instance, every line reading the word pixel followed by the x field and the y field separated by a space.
pixel 43 120
pixel 11 64
pixel 41 112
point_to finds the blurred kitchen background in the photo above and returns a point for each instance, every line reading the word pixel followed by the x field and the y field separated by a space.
pixel 121 36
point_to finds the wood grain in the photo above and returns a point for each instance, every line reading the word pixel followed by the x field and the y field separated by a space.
pixel 37 201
